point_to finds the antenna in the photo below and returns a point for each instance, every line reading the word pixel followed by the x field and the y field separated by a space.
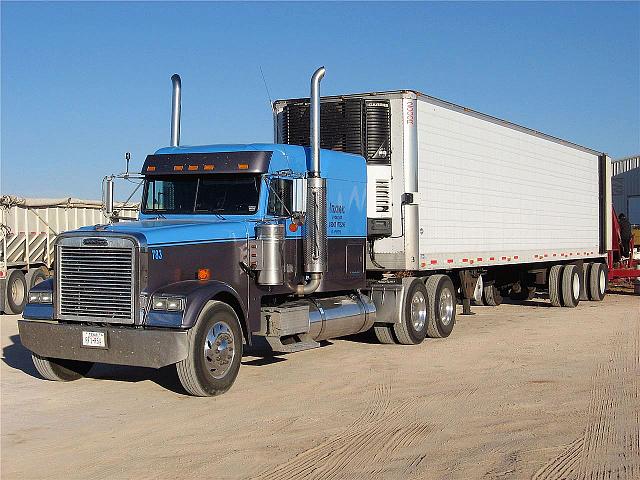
pixel 266 87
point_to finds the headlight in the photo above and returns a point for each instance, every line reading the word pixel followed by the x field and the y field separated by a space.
pixel 171 304
pixel 40 297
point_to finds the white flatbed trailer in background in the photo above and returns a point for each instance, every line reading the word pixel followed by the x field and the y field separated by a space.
pixel 29 227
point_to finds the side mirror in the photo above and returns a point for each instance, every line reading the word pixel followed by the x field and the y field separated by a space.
pixel 107 196
pixel 299 195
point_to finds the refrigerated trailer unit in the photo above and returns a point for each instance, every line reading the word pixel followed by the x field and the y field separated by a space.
pixel 450 188
pixel 412 204
pixel 29 227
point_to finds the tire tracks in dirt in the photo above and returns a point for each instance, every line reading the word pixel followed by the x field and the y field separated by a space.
pixel 610 445
pixel 387 430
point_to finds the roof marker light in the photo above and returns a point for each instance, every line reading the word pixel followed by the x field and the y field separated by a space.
pixel 243 166
pixel 151 168
pixel 209 167
pixel 193 167
pixel 178 168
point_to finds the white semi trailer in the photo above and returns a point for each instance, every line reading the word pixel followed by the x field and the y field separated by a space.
pixel 28 227
pixel 506 208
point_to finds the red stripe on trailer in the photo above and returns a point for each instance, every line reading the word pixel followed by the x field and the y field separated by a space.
pixel 492 258
pixel 449 260
pixel 515 257
pixel 479 259
pixel 504 258
pixel 465 260
pixel 554 254
pixel 433 262
pixel 546 255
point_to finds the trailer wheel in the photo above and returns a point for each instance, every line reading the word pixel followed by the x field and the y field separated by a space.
pixel 35 276
pixel 598 281
pixel 60 370
pixel 384 334
pixel 555 285
pixel 584 291
pixel 442 306
pixel 413 326
pixel 571 276
pixel 16 292
pixel 491 295
pixel 214 352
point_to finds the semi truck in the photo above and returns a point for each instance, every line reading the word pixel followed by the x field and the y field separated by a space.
pixel 28 228
pixel 412 206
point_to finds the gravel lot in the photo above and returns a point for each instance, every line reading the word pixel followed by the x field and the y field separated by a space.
pixel 517 391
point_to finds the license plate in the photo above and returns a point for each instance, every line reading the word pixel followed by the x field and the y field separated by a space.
pixel 94 339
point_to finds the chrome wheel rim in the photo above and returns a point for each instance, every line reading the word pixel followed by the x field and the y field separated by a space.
pixel 418 311
pixel 219 350
pixel 603 281
pixel 576 285
pixel 446 306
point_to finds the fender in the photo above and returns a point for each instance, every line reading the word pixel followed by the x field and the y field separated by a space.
pixel 197 294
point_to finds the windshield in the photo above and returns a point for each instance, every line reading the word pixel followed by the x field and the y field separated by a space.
pixel 233 194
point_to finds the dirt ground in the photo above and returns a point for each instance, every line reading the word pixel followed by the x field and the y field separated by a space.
pixel 516 392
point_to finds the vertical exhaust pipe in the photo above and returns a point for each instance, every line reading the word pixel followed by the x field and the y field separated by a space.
pixel 175 110
pixel 315 239
pixel 315 121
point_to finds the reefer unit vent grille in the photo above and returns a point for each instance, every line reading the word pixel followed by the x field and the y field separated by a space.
pixel 353 126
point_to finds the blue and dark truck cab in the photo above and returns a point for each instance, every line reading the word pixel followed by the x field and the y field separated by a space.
pixel 233 242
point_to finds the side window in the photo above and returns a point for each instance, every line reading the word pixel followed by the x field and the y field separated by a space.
pixel 280 202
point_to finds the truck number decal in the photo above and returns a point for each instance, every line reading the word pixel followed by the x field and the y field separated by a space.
pixel 156 254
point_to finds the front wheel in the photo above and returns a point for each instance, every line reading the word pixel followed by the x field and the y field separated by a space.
pixel 214 352
pixel 60 370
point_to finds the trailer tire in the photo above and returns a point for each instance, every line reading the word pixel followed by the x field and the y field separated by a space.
pixel 442 306
pixel 60 370
pixel 598 281
pixel 218 331
pixel 412 328
pixel 571 286
pixel 491 296
pixel 384 334
pixel 16 292
pixel 555 285
pixel 584 291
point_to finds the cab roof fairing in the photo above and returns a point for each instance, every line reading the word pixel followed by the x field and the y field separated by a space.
pixel 257 158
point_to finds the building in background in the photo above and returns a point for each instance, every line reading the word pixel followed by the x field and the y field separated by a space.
pixel 625 186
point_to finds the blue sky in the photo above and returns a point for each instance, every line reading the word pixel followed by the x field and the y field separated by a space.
pixel 82 83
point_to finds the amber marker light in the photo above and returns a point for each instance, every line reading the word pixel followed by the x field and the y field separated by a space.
pixel 208 167
pixel 178 168
pixel 193 167
pixel 151 168
pixel 243 166
pixel 204 274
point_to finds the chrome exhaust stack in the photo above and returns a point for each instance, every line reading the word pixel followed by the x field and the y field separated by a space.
pixel 175 110
pixel 315 238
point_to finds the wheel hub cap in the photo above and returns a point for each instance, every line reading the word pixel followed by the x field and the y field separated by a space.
pixel 418 311
pixel 446 306
pixel 219 350
pixel 576 285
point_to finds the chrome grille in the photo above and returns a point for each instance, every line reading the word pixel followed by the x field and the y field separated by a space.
pixel 96 282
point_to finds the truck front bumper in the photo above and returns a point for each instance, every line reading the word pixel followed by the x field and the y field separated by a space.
pixel 124 346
